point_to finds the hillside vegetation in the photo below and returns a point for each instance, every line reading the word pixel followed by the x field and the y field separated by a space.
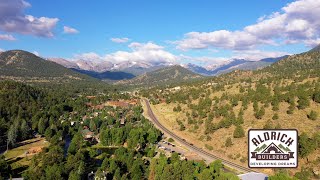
pixel 218 112
pixel 24 66
pixel 163 76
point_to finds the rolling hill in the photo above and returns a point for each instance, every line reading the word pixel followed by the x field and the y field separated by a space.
pixel 163 76
pixel 109 75
pixel 24 66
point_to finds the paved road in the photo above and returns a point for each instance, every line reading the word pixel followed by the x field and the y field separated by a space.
pixel 204 154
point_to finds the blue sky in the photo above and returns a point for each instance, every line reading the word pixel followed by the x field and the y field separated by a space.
pixel 203 32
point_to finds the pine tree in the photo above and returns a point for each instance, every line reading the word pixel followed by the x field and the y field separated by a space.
pixel 41 126
pixel 238 132
pixel 24 129
pixel 12 136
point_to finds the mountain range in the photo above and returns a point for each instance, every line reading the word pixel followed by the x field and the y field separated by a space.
pixel 23 65
pixel 98 66
pixel 128 70
pixel 235 64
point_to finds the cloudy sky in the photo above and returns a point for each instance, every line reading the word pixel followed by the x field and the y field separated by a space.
pixel 203 32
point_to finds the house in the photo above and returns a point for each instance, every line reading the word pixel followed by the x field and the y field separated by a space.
pixel 122 121
pixel 95 114
pixel 97 176
pixel 90 97
pixel 87 134
pixel 253 176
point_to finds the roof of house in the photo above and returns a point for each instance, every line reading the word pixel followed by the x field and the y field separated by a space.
pixel 87 132
pixel 253 176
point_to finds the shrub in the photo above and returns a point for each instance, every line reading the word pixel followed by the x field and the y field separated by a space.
pixel 275 116
pixel 313 115
pixel 208 147
pixel 182 127
pixel 228 142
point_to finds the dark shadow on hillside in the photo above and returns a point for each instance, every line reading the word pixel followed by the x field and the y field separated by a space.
pixel 13 160
pixel 111 75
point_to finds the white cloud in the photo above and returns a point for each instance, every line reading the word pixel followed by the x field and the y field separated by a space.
pixel 204 59
pixel 255 55
pixel 312 42
pixel 236 40
pixel 145 52
pixel 145 46
pixel 120 40
pixel 7 37
pixel 148 52
pixel 13 19
pixel 69 30
pixel 298 22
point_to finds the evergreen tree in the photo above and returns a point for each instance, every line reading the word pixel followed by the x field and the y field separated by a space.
pixel 41 126
pixel 117 175
pixel 12 136
pixel 24 130
pixel 238 132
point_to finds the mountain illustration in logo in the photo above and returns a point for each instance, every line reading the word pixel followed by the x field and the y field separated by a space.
pixel 272 152
pixel 274 148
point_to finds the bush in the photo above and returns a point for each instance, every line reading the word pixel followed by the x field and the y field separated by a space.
pixel 228 142
pixel 313 115
pixel 182 127
pixel 208 147
pixel 316 97
pixel 275 116
pixel 170 140
pixel 303 102
pixel 243 159
pixel 259 113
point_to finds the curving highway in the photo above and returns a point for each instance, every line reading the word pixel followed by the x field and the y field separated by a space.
pixel 206 155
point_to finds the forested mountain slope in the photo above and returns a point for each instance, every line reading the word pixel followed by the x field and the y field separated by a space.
pixel 24 66
pixel 163 76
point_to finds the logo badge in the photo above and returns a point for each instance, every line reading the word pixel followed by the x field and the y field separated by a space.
pixel 270 148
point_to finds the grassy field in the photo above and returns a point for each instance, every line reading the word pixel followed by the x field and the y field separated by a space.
pixel 20 157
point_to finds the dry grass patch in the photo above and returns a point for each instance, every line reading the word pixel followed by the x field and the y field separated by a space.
pixel 21 155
